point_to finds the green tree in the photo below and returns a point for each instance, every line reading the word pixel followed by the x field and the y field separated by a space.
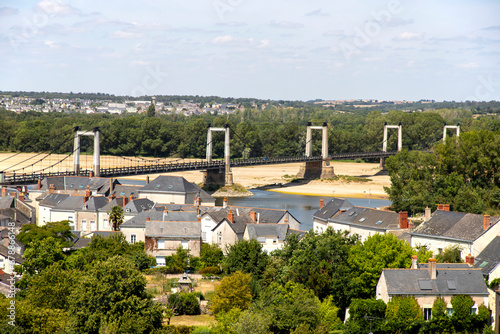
pixel 232 292
pixel 246 256
pixel 116 217
pixel 462 318
pixel 451 254
pixel 60 231
pixel 151 111
pixel 318 262
pixel 403 314
pixel 211 255
pixel 369 258
pixel 112 297
pixel 366 314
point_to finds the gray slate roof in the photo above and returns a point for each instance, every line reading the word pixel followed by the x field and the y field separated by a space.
pixel 111 204
pixel 174 229
pixel 122 190
pixel 6 202
pixel 447 282
pixel 52 200
pixel 267 230
pixel 140 219
pixel 376 219
pixel 170 184
pixel 80 183
pixel 5 252
pixel 95 203
pixel 264 216
pixel 331 208
pixel 70 203
pixel 456 225
pixel 489 258
pixel 138 205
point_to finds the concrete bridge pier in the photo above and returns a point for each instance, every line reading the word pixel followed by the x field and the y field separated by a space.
pixel 316 169
pixel 216 176
pixel 384 143
pixel 97 151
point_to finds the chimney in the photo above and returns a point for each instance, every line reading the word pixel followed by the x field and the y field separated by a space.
pixel 21 197
pixel 125 200
pixel 230 216
pixel 427 214
pixel 224 203
pixel 51 189
pixel 439 206
pixel 131 198
pixel 13 194
pixel 486 222
pixel 39 184
pixel 88 193
pixel 148 219
pixel 403 219
pixel 91 174
pixel 321 203
pixel 470 260
pixel 410 224
pixel 4 191
pixel 147 179
pixel 414 262
pixel 253 215
pixel 446 207
pixel 111 183
pixel 112 196
pixel 432 268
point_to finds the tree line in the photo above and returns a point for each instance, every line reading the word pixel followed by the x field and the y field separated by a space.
pixel 254 132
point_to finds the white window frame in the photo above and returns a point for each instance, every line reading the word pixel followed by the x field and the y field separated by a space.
pixel 133 238
pixel 161 243
pixel 185 244
pixel 84 225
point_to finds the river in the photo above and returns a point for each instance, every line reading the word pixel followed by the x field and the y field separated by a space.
pixel 301 207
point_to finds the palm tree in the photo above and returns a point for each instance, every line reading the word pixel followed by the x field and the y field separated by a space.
pixel 116 217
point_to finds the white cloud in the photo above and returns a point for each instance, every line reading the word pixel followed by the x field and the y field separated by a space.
pixel 264 43
pixel 223 39
pixel 125 35
pixel 56 7
pixel 317 12
pixel 408 36
pixel 139 63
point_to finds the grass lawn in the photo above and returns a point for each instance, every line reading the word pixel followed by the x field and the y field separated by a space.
pixel 193 320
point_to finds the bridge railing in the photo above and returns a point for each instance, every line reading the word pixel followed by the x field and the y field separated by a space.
pixel 155 168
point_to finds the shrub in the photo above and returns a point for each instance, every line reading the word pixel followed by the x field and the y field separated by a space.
pixel 210 271
pixel 184 303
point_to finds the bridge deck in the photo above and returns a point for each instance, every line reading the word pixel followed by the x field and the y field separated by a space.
pixel 22 179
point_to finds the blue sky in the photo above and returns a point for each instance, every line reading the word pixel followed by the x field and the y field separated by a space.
pixel 293 49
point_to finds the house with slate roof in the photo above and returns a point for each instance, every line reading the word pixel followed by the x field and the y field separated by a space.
pixel 366 222
pixel 99 186
pixel 164 237
pixel 87 216
pixel 134 229
pixel 15 211
pixel 103 212
pixel 175 190
pixel 328 211
pixel 434 280
pixel 270 236
pixel 8 261
pixel 472 232
pixel 226 225
pixel 489 260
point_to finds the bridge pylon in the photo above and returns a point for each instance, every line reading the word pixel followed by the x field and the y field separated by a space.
pixel 384 143
pixel 97 154
pixel 214 176
pixel 316 169
pixel 446 127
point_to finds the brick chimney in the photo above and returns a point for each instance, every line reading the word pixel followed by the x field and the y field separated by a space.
pixel 51 189
pixel 147 179
pixel 486 222
pixel 4 191
pixel 321 203
pixel 131 198
pixel 403 219
pixel 432 268
pixel 13 194
pixel 21 197
pixel 148 219
pixel 39 185
pixel 230 216
pixel 91 174
pixel 224 203
pixel 414 262
pixel 427 214
pixel 470 260
pixel 253 215
pixel 88 193
pixel 439 206
pixel 446 207
pixel 125 200
pixel 112 196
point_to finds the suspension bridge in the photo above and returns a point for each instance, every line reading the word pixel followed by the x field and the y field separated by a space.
pixel 42 165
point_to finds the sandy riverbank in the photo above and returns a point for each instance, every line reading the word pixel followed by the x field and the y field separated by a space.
pixel 249 177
